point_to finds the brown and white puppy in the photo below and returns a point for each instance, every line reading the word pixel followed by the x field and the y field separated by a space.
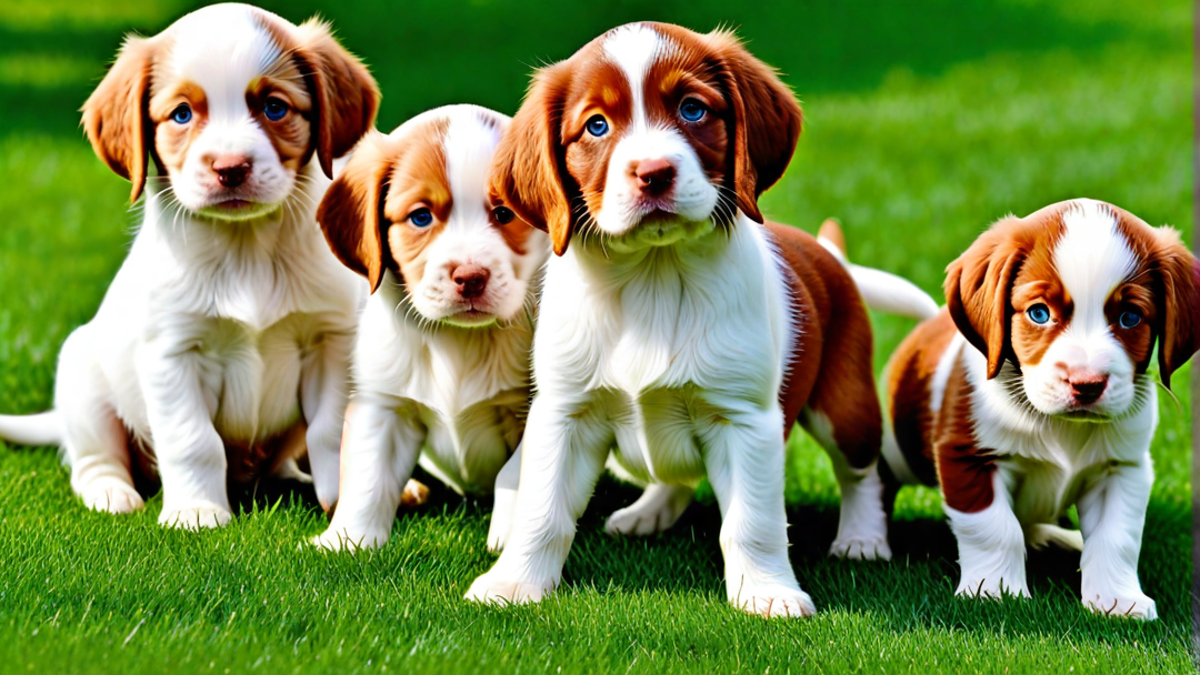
pixel 441 362
pixel 221 350
pixel 668 324
pixel 1030 392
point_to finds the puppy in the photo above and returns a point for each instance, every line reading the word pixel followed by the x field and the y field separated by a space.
pixel 1030 393
pixel 441 363
pixel 221 350
pixel 669 323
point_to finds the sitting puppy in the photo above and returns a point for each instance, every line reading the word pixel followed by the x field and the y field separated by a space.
pixel 441 364
pixel 668 325
pixel 1030 393
pixel 221 350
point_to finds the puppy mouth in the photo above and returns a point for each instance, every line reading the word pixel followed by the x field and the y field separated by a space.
pixel 471 317
pixel 238 209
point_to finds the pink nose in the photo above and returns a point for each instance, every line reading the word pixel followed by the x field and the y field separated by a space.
pixel 471 280
pixel 653 177
pixel 231 170
pixel 1087 386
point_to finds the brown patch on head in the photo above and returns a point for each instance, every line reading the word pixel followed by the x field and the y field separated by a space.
pixel 1037 283
pixel 171 140
pixel 282 85
pixel 116 116
pixel 386 180
pixel 979 284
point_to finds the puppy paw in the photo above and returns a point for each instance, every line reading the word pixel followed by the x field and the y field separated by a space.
pixel 659 507
pixel 774 601
pixel 993 587
pixel 197 517
pixel 1134 606
pixel 1043 535
pixel 340 539
pixel 859 548
pixel 112 497
pixel 496 591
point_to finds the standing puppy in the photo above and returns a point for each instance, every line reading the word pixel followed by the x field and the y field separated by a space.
pixel 1030 393
pixel 221 350
pixel 441 363
pixel 668 324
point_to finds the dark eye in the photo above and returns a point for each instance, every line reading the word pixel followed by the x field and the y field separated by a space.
pixel 275 109
pixel 597 125
pixel 182 114
pixel 1039 314
pixel 1129 319
pixel 421 218
pixel 692 110
pixel 503 215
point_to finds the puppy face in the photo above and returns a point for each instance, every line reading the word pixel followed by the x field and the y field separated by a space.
pixel 416 202
pixel 231 102
pixel 1075 296
pixel 647 135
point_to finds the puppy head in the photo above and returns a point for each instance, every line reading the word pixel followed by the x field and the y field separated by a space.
pixel 1075 297
pixel 416 202
pixel 231 102
pixel 649 133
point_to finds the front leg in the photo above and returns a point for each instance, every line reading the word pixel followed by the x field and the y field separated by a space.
pixel 505 502
pixel 991 543
pixel 180 406
pixel 381 449
pixel 563 455
pixel 744 458
pixel 324 383
pixel 1112 515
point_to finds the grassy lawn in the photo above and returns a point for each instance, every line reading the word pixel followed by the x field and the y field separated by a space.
pixel 925 122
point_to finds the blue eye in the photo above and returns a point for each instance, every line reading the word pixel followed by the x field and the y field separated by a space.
pixel 597 125
pixel 1129 319
pixel 182 114
pixel 692 110
pixel 1039 314
pixel 275 109
pixel 421 218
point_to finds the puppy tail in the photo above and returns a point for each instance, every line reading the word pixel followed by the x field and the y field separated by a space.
pixel 32 430
pixel 881 291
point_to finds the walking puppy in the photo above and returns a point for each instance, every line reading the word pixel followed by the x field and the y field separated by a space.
pixel 221 349
pixel 666 327
pixel 441 363
pixel 1030 393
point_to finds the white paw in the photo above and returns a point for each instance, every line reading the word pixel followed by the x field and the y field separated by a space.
pixel 1042 535
pixel 774 601
pixel 659 507
pixel 993 587
pixel 490 589
pixel 1137 606
pixel 857 548
pixel 198 517
pixel 112 497
pixel 339 539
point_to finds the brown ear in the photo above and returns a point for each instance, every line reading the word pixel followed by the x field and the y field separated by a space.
pixel 345 95
pixel 351 215
pixel 116 116
pixel 979 289
pixel 1179 304
pixel 767 122
pixel 528 172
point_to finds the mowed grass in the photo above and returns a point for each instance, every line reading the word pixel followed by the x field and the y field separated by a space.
pixel 925 122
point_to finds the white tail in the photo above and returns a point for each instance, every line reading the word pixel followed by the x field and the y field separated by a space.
pixel 881 291
pixel 34 430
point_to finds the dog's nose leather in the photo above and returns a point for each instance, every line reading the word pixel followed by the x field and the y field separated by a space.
pixel 471 280
pixel 231 171
pixel 654 176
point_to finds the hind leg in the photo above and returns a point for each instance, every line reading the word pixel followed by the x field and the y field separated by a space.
pixel 95 441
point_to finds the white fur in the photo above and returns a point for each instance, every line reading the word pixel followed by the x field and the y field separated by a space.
pixel 213 330
pixel 449 396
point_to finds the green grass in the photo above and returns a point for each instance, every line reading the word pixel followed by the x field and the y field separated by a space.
pixel 925 122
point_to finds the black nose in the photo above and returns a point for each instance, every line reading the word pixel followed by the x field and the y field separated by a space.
pixel 654 176
pixel 1088 390
pixel 471 280
pixel 231 171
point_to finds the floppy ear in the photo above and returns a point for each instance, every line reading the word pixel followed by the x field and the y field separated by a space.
pixel 766 125
pixel 979 290
pixel 1178 305
pixel 529 169
pixel 116 116
pixel 345 95
pixel 350 214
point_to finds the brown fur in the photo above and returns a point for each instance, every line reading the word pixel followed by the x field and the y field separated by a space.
pixel 909 386
pixel 964 469
pixel 116 116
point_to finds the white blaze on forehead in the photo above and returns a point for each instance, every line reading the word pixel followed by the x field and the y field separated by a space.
pixel 1092 258
pixel 633 48
pixel 468 146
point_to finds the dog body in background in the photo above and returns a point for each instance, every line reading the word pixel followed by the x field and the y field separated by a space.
pixel 441 362
pixel 221 349
pixel 667 327
pixel 1030 393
